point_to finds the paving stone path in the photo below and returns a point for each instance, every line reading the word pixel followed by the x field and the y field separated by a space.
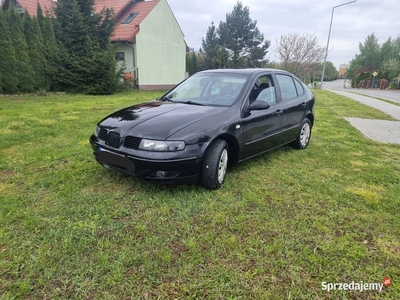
pixel 378 130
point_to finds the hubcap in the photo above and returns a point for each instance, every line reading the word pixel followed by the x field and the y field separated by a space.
pixel 223 164
pixel 305 134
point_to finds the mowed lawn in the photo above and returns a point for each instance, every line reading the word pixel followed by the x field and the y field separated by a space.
pixel 281 225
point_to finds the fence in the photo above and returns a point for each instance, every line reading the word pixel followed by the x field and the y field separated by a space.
pixel 379 84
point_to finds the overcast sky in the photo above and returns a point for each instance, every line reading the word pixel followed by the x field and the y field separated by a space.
pixel 351 23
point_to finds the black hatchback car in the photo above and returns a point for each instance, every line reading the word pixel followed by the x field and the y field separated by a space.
pixel 212 119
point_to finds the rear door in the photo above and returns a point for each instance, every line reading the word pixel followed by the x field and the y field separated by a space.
pixel 294 103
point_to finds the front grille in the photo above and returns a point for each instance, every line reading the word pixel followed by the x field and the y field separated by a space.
pixel 103 134
pixel 132 142
pixel 113 139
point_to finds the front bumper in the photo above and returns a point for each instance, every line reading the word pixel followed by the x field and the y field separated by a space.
pixel 180 167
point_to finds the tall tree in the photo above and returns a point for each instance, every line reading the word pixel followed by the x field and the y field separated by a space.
pixel 23 68
pixel 210 46
pixel 240 36
pixel 370 52
pixel 9 79
pixel 390 59
pixel 51 49
pixel 34 40
pixel 299 54
pixel 87 57
pixel 372 57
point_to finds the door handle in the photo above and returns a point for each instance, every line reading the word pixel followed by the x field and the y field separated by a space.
pixel 304 105
pixel 279 112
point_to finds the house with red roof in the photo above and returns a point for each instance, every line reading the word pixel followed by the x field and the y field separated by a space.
pixel 150 39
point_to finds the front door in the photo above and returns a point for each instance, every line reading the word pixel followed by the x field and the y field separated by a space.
pixel 262 128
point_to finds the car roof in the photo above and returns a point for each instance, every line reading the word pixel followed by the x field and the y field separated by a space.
pixel 248 71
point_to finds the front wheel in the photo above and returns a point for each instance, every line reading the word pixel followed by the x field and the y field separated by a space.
pixel 304 135
pixel 215 163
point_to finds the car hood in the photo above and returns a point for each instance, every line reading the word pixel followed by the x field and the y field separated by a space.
pixel 157 119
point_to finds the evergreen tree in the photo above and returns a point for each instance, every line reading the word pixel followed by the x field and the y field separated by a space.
pixel 191 63
pixel 240 35
pixel 40 16
pixel 188 63
pixel 23 68
pixel 237 42
pixel 35 44
pixel 221 59
pixel 194 62
pixel 210 46
pixel 201 58
pixel 51 50
pixel 8 79
pixel 87 58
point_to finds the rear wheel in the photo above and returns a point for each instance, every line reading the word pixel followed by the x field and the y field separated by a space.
pixel 303 138
pixel 215 164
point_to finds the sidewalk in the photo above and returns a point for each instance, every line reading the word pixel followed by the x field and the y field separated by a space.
pixel 378 130
pixel 389 109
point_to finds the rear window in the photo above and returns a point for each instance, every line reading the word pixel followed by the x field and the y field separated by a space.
pixel 288 89
pixel 299 87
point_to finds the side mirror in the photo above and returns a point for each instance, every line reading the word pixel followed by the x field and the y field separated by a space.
pixel 258 105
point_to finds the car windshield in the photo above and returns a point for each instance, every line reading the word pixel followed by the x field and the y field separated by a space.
pixel 211 89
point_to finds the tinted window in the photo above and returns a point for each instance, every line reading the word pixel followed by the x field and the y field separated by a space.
pixel 300 90
pixel 286 84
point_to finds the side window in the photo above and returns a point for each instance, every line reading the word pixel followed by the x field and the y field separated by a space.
pixel 299 87
pixel 264 90
pixel 288 89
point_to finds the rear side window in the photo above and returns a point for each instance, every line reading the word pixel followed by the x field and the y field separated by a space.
pixel 299 87
pixel 288 89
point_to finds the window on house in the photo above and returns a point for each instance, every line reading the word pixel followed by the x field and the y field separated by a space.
pixel 130 17
pixel 120 56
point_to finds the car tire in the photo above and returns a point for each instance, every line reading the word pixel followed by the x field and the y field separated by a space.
pixel 304 135
pixel 215 163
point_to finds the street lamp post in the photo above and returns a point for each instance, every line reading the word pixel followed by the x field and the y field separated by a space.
pixel 329 36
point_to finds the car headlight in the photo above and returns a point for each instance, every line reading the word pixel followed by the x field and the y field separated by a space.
pixel 96 131
pixel 152 145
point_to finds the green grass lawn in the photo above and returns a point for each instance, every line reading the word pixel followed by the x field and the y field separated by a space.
pixel 282 224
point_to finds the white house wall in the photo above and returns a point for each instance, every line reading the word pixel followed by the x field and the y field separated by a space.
pixel 161 49
pixel 129 51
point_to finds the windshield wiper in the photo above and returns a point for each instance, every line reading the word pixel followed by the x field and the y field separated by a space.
pixel 191 102
pixel 167 98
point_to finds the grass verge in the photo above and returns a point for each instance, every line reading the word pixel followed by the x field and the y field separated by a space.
pixel 378 98
pixel 282 224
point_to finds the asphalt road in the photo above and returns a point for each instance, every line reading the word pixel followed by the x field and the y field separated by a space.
pixel 391 95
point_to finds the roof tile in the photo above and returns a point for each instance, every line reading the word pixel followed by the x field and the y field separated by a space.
pixel 31 5
pixel 122 8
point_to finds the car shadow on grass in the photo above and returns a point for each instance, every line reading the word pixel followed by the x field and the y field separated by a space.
pixel 237 170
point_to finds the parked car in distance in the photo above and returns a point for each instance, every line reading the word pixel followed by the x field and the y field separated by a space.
pixel 212 119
